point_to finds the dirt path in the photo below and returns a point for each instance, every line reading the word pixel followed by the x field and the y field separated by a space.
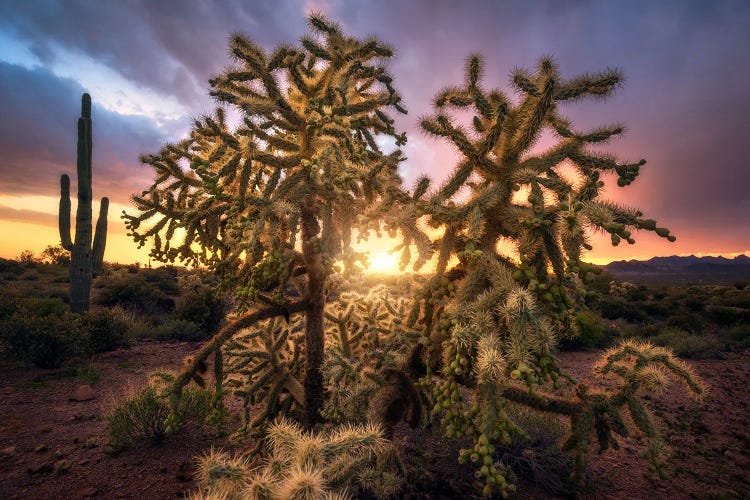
pixel 710 439
pixel 41 429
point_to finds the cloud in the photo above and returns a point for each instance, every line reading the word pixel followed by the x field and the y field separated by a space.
pixel 38 137
pixel 684 102
pixel 172 47
pixel 24 215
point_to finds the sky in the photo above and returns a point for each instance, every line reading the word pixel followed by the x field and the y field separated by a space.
pixel 146 65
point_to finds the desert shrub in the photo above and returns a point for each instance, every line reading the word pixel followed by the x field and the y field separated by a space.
pixel 687 345
pixel 591 332
pixel 142 413
pixel 139 416
pixel 695 303
pixel 44 341
pixel 55 255
pixel 177 329
pixel 165 279
pixel 59 293
pixel 651 330
pixel 39 331
pixel 737 298
pixel 638 293
pixel 30 275
pixel 105 329
pixel 537 456
pixel 199 304
pixel 133 292
pixel 617 307
pixel 27 257
pixel 687 321
pixel 739 333
pixel 9 304
pixel 723 315
pixel 656 308
pixel 10 266
pixel 45 306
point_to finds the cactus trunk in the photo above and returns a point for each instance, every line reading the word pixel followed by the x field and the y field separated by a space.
pixel 314 332
pixel 85 261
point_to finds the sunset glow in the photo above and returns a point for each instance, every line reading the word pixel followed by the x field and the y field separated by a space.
pixel 383 263
pixel 695 180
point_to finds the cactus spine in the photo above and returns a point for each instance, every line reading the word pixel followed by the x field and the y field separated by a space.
pixel 85 261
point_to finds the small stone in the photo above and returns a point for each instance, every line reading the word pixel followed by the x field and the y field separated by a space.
pixel 86 492
pixel 8 452
pixel 91 443
pixel 63 466
pixel 85 461
pixel 44 468
pixel 59 454
pixel 41 448
pixel 83 393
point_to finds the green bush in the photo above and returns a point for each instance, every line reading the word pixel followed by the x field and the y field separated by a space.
pixel 537 456
pixel 617 307
pixel 739 333
pixel 687 321
pixel 687 345
pixel 178 329
pixel 10 266
pixel 200 305
pixel 9 304
pixel 164 278
pixel 591 332
pixel 132 292
pixel 723 315
pixel 141 414
pixel 105 329
pixel 44 341
pixel 39 331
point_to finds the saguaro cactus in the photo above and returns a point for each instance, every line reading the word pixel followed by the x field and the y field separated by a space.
pixel 85 261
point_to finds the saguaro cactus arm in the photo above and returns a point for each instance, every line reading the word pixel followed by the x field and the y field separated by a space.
pixel 64 213
pixel 100 237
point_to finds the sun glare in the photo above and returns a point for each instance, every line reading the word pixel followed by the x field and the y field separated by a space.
pixel 383 263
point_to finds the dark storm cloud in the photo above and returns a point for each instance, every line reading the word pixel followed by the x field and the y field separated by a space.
pixel 38 137
pixel 168 46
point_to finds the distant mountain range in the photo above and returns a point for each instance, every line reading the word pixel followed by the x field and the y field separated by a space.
pixel 684 270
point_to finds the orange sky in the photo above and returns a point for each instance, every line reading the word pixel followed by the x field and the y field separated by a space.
pixel 684 102
pixel 19 235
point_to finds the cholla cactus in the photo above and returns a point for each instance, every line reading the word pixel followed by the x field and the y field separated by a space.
pixel 491 320
pixel 300 168
pixel 339 463
pixel 372 347
pixel 85 259
pixel 366 338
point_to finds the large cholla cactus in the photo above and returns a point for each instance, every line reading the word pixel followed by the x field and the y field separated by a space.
pixel 491 321
pixel 85 260
pixel 302 166
pixel 366 338
pixel 337 464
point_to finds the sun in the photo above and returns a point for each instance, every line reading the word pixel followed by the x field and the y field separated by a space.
pixel 383 263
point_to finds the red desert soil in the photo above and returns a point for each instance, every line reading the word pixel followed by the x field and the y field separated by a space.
pixel 40 426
